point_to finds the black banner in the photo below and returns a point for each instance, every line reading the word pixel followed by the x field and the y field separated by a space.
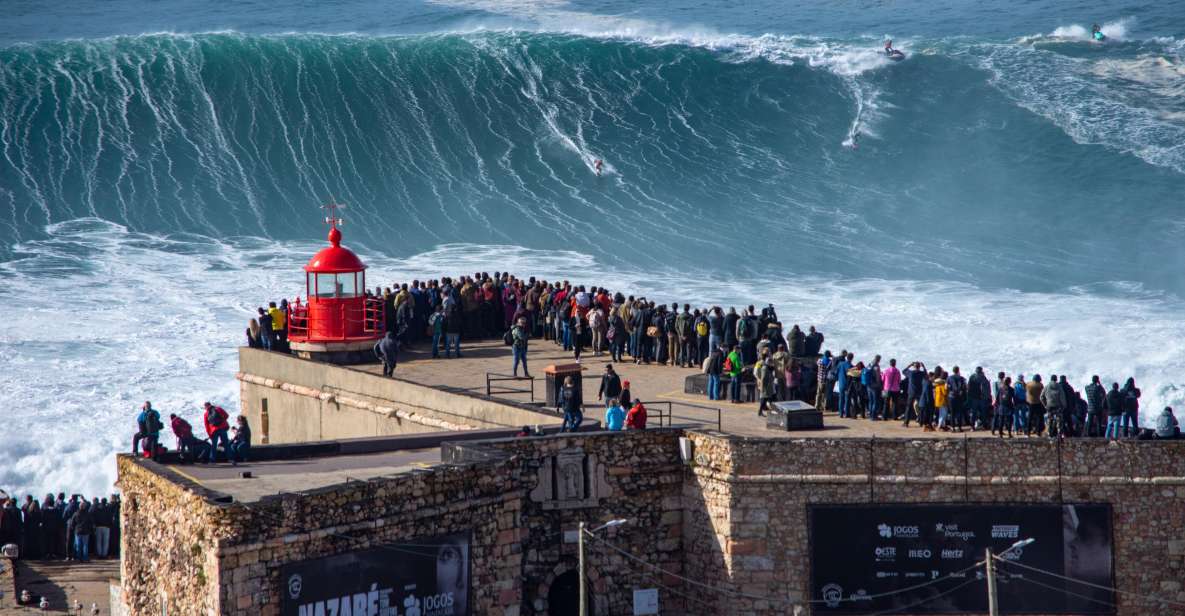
pixel 864 556
pixel 419 577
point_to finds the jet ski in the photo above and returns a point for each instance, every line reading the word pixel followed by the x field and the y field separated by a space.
pixel 896 55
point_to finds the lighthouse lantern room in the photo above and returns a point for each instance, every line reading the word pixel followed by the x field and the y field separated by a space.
pixel 337 322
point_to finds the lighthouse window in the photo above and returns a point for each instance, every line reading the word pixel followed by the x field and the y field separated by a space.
pixel 337 285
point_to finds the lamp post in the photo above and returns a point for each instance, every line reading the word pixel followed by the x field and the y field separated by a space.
pixel 580 548
pixel 993 601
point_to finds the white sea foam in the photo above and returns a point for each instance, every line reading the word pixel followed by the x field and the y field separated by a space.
pixel 100 319
pixel 1068 92
pixel 1114 30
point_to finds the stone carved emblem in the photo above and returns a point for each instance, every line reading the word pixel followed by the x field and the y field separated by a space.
pixel 569 480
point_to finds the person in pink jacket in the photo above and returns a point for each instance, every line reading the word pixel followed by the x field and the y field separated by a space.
pixel 891 378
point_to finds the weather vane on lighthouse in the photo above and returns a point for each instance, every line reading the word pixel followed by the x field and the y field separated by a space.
pixel 332 207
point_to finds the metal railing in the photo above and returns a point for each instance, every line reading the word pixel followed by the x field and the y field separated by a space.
pixel 494 377
pixel 666 419
pixel 373 321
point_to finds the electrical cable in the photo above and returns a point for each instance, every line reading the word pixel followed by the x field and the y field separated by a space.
pixel 681 594
pixel 1093 585
pixel 923 601
pixel 1063 591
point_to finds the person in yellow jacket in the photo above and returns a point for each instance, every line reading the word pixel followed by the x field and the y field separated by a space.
pixel 279 329
pixel 941 399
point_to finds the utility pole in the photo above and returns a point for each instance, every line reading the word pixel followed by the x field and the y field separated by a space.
pixel 583 590
pixel 993 607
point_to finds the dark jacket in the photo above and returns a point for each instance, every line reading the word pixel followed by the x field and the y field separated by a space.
pixel 610 386
pixel 569 399
pixel 81 523
pixel 730 328
pixel 812 344
pixel 716 362
pixel 387 349
pixel 1114 403
pixel 1096 397
pixel 979 388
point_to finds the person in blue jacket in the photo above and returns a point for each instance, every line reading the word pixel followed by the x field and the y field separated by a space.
pixel 614 416
pixel 841 378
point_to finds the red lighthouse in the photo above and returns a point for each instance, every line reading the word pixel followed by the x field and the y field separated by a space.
pixel 338 322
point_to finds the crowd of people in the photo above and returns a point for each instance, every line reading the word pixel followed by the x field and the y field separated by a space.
pixel 938 399
pixel 746 355
pixel 235 442
pixel 56 528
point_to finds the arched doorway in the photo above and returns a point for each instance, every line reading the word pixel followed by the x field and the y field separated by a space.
pixel 563 597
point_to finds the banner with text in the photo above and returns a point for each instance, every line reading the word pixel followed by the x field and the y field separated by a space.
pixel 921 558
pixel 421 577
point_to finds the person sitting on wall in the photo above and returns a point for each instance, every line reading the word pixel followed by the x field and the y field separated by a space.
pixel 240 445
pixel 148 422
pixel 1166 425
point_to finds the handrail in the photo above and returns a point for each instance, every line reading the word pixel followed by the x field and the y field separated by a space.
pixel 494 377
pixel 670 414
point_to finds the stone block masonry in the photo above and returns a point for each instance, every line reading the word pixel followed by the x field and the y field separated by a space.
pixel 733 520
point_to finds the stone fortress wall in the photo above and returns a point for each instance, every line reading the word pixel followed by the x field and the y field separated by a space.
pixel 733 517
pixel 312 401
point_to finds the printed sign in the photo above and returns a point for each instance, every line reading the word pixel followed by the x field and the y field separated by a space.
pixel 919 559
pixel 420 577
pixel 645 601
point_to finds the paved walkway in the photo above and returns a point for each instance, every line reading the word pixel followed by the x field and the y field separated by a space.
pixel 648 382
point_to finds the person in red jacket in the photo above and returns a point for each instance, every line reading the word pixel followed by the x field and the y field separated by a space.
pixel 636 418
pixel 217 428
pixel 189 446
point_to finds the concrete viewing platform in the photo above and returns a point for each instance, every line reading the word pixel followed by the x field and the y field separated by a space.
pixel 649 382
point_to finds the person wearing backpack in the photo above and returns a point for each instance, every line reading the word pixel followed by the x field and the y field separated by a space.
pixel 747 335
pixel 519 336
pixel 714 368
pixel 684 337
pixel 436 322
pixel 217 428
pixel 702 337
pixel 597 324
pixel 671 326
pixel 841 379
pixel 734 366
pixel 149 427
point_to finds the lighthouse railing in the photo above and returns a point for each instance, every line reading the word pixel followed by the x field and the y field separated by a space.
pixel 373 316
pixel 298 320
